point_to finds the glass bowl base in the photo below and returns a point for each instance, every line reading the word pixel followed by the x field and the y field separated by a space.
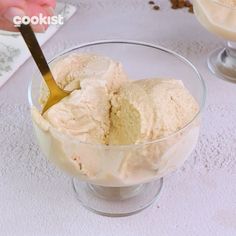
pixel 222 64
pixel 116 201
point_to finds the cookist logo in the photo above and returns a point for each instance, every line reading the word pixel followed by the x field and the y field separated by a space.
pixel 40 19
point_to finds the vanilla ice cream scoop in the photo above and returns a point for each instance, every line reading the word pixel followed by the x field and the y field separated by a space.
pixel 146 110
pixel 174 106
pixel 71 70
pixel 132 115
pixel 84 114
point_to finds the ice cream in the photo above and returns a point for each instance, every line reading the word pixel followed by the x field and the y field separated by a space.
pixel 84 113
pixel 132 115
pixel 69 71
pixel 218 16
pixel 106 130
pixel 149 109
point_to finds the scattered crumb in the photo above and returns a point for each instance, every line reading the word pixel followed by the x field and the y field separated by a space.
pixel 178 4
pixel 175 4
pixel 156 7
pixel 151 2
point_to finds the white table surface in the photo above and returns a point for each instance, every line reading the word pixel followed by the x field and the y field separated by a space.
pixel 198 199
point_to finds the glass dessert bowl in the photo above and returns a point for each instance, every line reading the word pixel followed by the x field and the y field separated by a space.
pixel 120 180
pixel 219 17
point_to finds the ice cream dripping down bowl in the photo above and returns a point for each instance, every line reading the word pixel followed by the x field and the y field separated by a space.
pixel 219 17
pixel 120 180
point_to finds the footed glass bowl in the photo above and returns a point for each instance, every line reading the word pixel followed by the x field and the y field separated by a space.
pixel 120 180
pixel 219 17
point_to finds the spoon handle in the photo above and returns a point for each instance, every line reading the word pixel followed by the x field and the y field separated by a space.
pixel 37 54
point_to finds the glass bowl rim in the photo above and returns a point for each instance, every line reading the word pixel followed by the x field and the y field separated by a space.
pixel 136 43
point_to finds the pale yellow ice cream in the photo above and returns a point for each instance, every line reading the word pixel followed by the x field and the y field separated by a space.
pixel 84 113
pixel 149 109
pixel 83 132
pixel 69 71
pixel 217 16
pixel 132 115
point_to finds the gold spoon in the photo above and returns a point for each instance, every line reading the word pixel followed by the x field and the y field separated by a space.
pixel 55 92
